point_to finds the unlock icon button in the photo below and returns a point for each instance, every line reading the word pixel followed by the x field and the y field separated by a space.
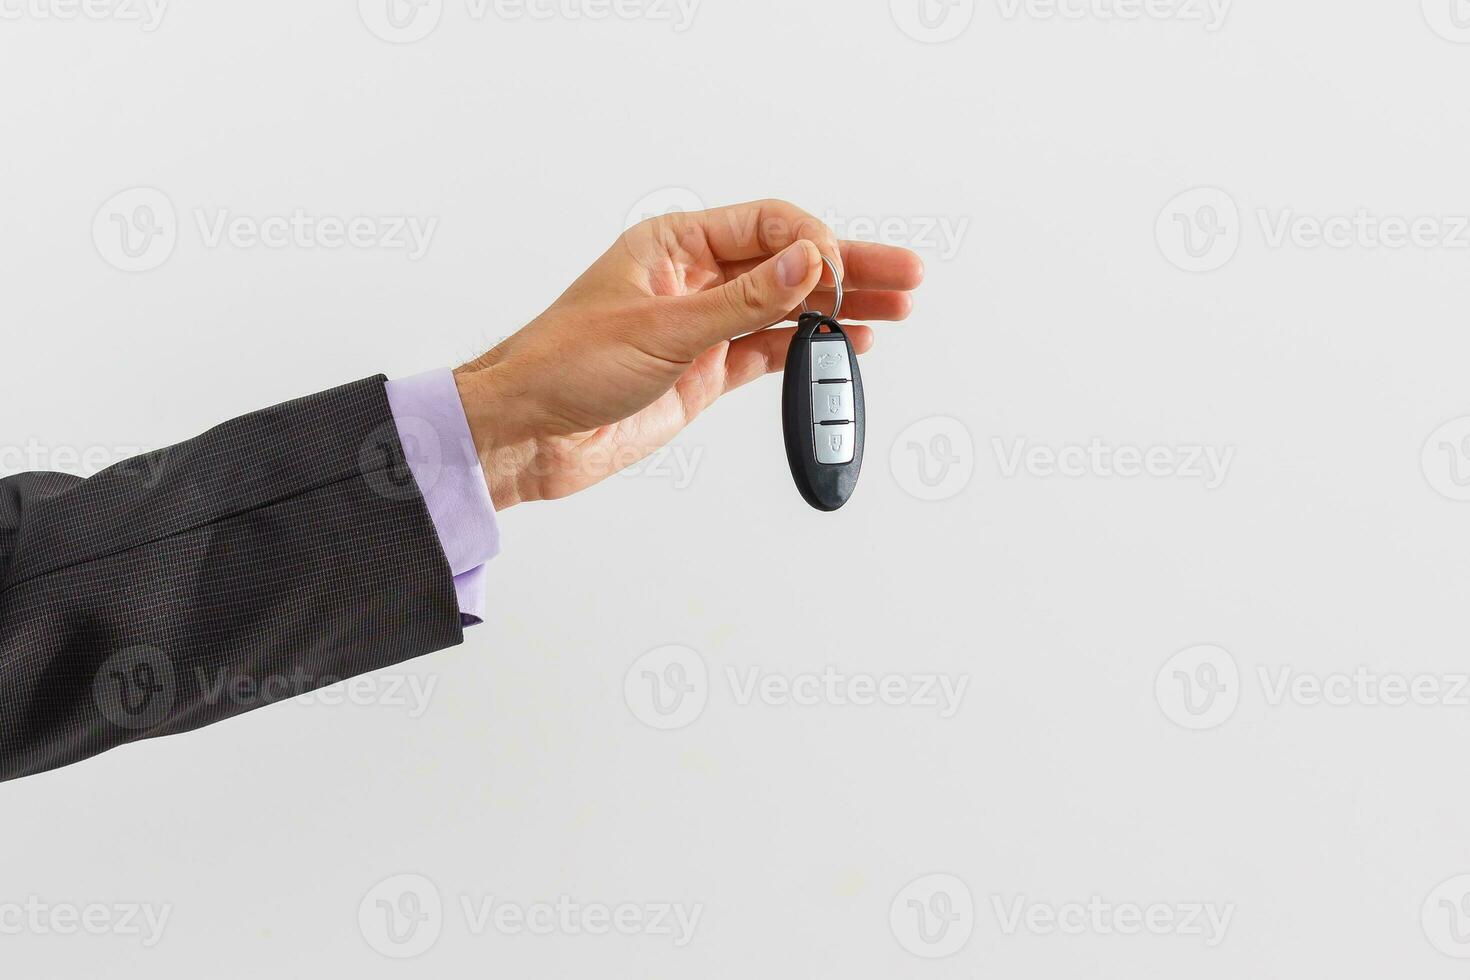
pixel 835 442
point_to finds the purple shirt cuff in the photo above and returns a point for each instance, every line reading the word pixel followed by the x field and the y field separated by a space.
pixel 441 455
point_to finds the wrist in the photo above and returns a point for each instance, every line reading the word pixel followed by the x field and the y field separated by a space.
pixel 502 441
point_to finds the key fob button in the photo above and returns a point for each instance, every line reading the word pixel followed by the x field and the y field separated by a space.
pixel 832 402
pixel 829 361
pixel 835 442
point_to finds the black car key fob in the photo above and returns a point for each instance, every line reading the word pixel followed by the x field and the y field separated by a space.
pixel 822 412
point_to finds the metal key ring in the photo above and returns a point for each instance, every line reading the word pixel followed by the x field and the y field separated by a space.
pixel 836 278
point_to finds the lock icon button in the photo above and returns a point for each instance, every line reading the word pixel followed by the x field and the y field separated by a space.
pixel 832 402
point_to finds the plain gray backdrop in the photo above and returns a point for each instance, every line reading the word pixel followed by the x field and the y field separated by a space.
pixel 1164 480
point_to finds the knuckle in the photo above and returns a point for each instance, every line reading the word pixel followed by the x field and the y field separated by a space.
pixel 780 223
pixel 816 230
pixel 640 236
pixel 746 295
pixel 659 227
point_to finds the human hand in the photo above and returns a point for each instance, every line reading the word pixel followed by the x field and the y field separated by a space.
pixel 674 315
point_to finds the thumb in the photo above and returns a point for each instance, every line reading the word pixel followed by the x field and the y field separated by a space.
pixel 757 299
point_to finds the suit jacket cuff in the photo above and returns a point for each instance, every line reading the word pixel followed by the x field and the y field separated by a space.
pixel 184 587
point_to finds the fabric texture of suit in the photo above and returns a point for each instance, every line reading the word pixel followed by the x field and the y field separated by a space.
pixel 278 553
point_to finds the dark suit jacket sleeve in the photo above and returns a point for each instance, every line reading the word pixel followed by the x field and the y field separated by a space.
pixel 275 554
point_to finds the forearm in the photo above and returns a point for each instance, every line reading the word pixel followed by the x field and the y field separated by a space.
pixel 291 543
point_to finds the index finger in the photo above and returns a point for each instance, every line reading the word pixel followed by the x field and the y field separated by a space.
pixel 759 229
pixel 865 265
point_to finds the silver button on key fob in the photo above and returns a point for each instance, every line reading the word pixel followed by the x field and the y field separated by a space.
pixel 822 412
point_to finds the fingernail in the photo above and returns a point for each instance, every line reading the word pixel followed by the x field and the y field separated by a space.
pixel 794 263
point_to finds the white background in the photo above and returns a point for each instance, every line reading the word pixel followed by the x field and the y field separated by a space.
pixel 1057 143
